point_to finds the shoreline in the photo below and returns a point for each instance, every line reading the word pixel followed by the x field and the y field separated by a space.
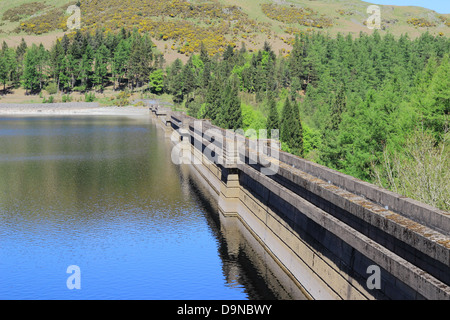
pixel 74 108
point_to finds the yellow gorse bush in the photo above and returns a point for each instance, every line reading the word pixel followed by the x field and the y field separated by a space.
pixel 214 24
pixel 294 15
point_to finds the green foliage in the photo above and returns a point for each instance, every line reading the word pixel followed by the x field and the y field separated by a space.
pixel 50 20
pixel 273 119
pixel 51 88
pixel 251 118
pixel 311 141
pixel 356 96
pixel 230 116
pixel 156 83
pixel 420 169
pixel 34 62
pixel 291 127
pixel 213 99
pixel 123 98
pixel 23 10
pixel 291 14
pixel 89 97
pixel 66 98
pixel 8 64
pixel 49 100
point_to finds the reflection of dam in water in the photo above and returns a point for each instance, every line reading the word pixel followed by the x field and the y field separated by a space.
pixel 244 259
pixel 328 235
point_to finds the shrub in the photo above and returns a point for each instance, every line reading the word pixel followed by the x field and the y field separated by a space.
pixel 66 98
pixel 24 10
pixel 51 88
pixel 122 98
pixel 89 97
pixel 50 100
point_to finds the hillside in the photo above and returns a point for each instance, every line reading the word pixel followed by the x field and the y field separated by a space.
pixel 374 105
pixel 179 26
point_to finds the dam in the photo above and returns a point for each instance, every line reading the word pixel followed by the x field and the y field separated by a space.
pixel 328 235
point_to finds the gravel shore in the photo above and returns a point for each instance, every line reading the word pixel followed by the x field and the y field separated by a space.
pixel 70 108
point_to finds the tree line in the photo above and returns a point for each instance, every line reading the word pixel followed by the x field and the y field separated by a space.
pixel 82 62
pixel 345 102
pixel 338 101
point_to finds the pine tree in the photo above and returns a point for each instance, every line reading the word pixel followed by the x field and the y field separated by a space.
pixel 30 77
pixel 140 59
pixel 172 76
pixel 228 53
pixel 177 88
pixel 21 48
pixel 56 61
pixel 436 107
pixel 286 116
pixel 213 99
pixel 204 54
pixel 65 42
pixel 7 64
pixel 67 74
pixel 231 115
pixel 291 128
pixel 20 53
pixel 273 120
pixel 206 75
pixel 76 48
pixel 296 59
pixel 119 61
pixel 87 61
pixel 297 132
pixel 100 66
pixel 338 107
pixel 3 70
pixel 188 78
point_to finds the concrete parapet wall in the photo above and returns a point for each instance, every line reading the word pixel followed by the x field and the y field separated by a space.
pixel 323 228
pixel 415 210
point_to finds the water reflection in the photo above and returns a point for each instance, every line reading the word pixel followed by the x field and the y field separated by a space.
pixel 103 194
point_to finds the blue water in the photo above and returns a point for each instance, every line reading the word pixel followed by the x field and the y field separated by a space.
pixel 103 194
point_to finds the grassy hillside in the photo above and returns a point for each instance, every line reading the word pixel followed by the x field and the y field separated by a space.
pixel 179 26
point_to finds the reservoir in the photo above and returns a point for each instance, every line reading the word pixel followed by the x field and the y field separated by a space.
pixel 102 193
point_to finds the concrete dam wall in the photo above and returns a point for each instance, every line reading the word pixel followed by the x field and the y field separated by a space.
pixel 332 235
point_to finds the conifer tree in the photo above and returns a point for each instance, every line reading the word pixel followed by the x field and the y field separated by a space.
pixel 188 78
pixel 177 88
pixel 119 61
pixel 204 53
pixel 101 66
pixel 172 75
pixel 56 61
pixel 291 128
pixel 286 116
pixel 7 64
pixel 86 64
pixel 231 115
pixel 206 75
pixel 273 120
pixel 213 98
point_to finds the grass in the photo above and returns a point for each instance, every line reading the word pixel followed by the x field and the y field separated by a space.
pixel 7 4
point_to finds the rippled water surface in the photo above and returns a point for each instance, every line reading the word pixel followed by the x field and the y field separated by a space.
pixel 103 194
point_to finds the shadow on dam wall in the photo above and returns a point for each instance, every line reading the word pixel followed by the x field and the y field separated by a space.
pixel 321 233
